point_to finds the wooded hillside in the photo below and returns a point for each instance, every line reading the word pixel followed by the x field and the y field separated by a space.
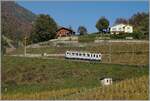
pixel 16 20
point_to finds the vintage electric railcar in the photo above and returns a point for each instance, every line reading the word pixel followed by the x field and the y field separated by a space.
pixel 83 55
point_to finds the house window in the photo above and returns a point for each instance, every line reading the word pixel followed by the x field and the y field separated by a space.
pixel 114 29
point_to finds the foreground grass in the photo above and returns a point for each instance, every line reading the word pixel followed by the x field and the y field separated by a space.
pixel 132 89
pixel 44 95
pixel 27 76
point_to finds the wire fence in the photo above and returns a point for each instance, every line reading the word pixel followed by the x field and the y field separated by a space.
pixel 129 53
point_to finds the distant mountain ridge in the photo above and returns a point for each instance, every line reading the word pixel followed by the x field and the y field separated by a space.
pixel 16 20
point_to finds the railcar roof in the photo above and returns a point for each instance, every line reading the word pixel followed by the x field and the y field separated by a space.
pixel 83 52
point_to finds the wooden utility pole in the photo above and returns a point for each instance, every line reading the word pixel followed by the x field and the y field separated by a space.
pixel 110 51
pixel 25 45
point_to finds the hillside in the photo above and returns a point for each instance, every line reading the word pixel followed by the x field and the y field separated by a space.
pixel 16 20
pixel 121 52
pixel 132 89
pixel 25 78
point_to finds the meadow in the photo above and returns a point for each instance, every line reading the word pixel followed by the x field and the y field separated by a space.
pixel 36 78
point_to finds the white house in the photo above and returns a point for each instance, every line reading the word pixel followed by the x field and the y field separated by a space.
pixel 106 81
pixel 121 28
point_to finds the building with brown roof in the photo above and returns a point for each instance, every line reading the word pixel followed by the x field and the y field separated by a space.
pixel 63 32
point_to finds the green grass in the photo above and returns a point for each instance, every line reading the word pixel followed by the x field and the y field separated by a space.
pixel 87 38
pixel 30 75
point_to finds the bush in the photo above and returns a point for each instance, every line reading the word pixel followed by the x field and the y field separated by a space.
pixel 135 35
pixel 120 36
pixel 138 35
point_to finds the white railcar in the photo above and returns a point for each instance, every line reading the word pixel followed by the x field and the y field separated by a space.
pixel 83 55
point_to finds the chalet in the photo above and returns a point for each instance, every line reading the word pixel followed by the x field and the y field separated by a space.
pixel 63 32
pixel 121 28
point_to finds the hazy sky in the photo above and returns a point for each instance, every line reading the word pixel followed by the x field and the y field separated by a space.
pixel 78 13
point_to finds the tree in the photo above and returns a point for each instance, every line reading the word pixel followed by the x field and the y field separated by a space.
pixel 102 24
pixel 44 29
pixel 82 30
pixel 70 27
pixel 121 21
pixel 140 22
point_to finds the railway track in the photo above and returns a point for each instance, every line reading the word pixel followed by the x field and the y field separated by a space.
pixel 61 57
pixel 55 57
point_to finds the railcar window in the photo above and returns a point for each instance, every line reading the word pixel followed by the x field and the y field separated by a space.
pixel 73 53
pixel 83 54
pixel 77 54
pixel 88 54
pixel 97 56
pixel 94 55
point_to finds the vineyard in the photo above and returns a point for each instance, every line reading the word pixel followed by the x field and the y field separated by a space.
pixel 132 89
pixel 54 77
pixel 35 78
pixel 93 47
pixel 120 53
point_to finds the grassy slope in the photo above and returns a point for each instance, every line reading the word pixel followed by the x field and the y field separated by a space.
pixel 132 89
pixel 116 48
pixel 26 75
pixel 87 38
pixel 120 52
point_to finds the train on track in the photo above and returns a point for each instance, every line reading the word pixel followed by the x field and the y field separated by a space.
pixel 83 55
